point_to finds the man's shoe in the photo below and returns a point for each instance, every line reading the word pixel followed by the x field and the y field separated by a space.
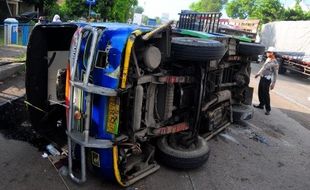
pixel 259 106
pixel 267 113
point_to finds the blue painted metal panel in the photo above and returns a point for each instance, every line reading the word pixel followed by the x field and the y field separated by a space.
pixel 112 42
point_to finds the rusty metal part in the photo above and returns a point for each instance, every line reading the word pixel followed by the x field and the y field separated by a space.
pixel 176 79
pixel 171 129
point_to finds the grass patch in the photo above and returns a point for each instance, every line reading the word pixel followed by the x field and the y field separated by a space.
pixel 21 57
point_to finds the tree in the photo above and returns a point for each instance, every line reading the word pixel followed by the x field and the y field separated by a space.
pixel 296 13
pixel 139 9
pixel 268 10
pixel 240 8
pixel 265 10
pixel 104 8
pixel 122 10
pixel 208 5
pixel 74 9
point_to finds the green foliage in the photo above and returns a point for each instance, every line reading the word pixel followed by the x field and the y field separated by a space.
pixel 240 8
pixel 208 5
pixel 74 9
pixel 268 10
pixel 122 10
pixel 52 9
pixel 103 7
pixel 112 10
pixel 139 9
pixel 296 13
pixel 265 10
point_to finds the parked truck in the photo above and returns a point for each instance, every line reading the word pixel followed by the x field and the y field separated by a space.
pixel 125 96
pixel 293 47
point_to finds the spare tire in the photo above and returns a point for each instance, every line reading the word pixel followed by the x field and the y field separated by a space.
pixel 242 112
pixel 182 158
pixel 250 49
pixel 196 49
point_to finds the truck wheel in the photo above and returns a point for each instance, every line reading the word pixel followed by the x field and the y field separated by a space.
pixel 196 49
pixel 242 112
pixel 250 49
pixel 171 153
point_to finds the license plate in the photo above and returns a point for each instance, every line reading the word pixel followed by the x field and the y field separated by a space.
pixel 113 115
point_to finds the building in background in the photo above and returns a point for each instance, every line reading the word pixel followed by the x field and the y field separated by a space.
pixel 164 17
pixel 14 8
pixel 137 19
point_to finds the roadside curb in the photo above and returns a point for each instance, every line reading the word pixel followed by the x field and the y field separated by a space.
pixel 10 69
pixel 14 47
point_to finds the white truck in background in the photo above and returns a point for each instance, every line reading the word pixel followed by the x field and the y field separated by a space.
pixel 292 41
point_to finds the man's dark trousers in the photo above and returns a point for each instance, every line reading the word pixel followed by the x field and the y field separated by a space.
pixel 263 93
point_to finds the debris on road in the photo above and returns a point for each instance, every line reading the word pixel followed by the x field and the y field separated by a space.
pixel 44 155
pixel 52 150
pixel 258 138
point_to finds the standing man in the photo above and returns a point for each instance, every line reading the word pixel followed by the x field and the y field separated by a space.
pixel 268 76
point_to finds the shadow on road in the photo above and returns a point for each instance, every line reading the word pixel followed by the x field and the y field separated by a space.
pixel 301 117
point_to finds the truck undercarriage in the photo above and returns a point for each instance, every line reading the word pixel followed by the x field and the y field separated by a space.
pixel 127 97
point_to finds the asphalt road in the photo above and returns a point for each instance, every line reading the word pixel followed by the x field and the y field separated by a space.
pixel 272 152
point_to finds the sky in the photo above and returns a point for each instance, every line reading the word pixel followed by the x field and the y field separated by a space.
pixel 153 8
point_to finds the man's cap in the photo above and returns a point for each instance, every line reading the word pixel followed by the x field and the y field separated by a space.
pixel 271 49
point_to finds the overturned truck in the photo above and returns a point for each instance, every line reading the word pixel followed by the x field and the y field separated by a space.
pixel 124 96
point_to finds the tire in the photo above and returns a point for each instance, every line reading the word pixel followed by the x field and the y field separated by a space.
pixel 242 112
pixel 196 49
pixel 250 49
pixel 182 158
